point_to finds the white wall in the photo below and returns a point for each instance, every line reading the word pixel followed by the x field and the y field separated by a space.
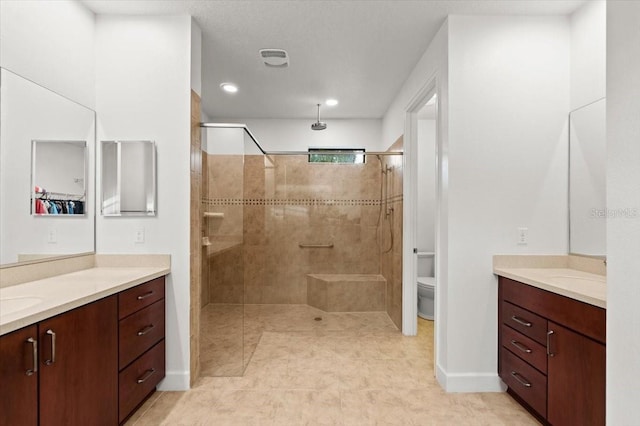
pixel 588 53
pixel 433 63
pixel 223 141
pixel 296 134
pixel 426 238
pixel 508 97
pixel 52 44
pixel 143 87
pixel 623 191
pixel 431 72
pixel 503 96
pixel 196 58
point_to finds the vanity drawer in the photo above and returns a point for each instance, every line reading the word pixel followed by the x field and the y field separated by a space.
pixel 525 348
pixel 527 323
pixel 524 380
pixel 138 297
pixel 139 379
pixel 140 331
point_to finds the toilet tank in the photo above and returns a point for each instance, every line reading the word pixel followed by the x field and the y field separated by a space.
pixel 426 264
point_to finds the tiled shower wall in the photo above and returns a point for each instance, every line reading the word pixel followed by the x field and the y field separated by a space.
pixel 274 203
pixel 391 232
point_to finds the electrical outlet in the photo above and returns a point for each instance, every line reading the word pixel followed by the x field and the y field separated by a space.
pixel 139 236
pixel 52 236
pixel 523 236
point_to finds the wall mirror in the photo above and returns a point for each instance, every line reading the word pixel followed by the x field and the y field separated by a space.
pixel 128 178
pixel 587 180
pixel 48 141
pixel 58 175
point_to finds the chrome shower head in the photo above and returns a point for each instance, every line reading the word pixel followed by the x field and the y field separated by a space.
pixel 319 125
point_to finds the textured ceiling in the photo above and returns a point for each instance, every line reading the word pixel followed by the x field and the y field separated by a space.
pixel 359 52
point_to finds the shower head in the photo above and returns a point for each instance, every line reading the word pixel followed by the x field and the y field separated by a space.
pixel 319 125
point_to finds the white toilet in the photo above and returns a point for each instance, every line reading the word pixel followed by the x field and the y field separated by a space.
pixel 426 285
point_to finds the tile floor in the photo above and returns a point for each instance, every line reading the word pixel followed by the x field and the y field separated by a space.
pixel 348 369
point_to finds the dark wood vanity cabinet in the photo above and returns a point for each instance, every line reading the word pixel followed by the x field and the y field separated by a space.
pixel 552 354
pixel 75 381
pixel 141 348
pixel 19 377
pixel 78 366
pixel 92 365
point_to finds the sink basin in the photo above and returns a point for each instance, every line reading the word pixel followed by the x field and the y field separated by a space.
pixel 10 305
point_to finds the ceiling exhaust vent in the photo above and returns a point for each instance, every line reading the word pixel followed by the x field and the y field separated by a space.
pixel 275 58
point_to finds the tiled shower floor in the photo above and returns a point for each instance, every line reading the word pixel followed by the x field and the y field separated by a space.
pixel 348 369
pixel 222 333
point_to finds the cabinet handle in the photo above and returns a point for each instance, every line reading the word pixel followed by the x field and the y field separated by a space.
pixel 521 321
pixel 549 351
pixel 524 382
pixel 52 334
pixel 146 375
pixel 34 346
pixel 146 329
pixel 520 346
pixel 144 296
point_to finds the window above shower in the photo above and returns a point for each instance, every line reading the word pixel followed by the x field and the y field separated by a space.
pixel 337 155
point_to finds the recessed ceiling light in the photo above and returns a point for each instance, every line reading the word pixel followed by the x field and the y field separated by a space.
pixel 229 87
pixel 331 102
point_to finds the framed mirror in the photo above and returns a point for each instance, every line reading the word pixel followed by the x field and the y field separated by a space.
pixel 128 178
pixel 587 180
pixel 46 140
pixel 58 176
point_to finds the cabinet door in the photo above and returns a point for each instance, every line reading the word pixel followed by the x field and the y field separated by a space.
pixel 79 366
pixel 19 378
pixel 576 379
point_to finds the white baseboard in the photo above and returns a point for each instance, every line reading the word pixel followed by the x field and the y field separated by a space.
pixel 175 381
pixel 469 382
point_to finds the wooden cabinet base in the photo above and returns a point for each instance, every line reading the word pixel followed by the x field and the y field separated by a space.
pixel 552 354
pixel 140 379
pixel 19 386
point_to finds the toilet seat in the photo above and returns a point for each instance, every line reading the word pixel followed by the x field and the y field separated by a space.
pixel 427 282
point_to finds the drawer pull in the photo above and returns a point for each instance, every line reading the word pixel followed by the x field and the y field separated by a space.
pixel 144 296
pixel 146 375
pixel 549 351
pixel 524 382
pixel 520 346
pixel 146 329
pixel 51 360
pixel 34 345
pixel 521 321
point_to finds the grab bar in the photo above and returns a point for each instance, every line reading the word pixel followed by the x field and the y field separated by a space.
pixel 315 245
pixel 213 214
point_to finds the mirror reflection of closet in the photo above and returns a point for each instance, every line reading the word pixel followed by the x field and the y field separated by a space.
pixel 58 176
pixel 587 180
pixel 64 135
pixel 128 178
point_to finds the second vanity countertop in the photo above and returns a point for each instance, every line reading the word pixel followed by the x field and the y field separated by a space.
pixel 33 301
pixel 573 283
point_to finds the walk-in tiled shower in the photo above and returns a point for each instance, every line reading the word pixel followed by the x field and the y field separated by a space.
pixel 315 240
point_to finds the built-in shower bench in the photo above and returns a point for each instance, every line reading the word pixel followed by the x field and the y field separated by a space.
pixel 346 292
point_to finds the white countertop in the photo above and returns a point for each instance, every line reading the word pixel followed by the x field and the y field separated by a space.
pixel 52 296
pixel 579 285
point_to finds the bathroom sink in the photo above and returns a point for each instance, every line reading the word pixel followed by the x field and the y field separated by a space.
pixel 10 305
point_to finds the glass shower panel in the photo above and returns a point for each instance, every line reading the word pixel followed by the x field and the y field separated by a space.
pixel 222 316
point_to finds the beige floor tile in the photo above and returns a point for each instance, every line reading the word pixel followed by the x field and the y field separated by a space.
pixel 347 369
